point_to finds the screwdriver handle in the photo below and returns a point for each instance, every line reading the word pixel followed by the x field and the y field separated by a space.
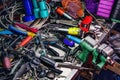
pixel 47 61
pixel 26 40
pixel 6 62
pixel 53 51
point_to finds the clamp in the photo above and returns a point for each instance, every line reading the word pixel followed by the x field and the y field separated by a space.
pixel 86 49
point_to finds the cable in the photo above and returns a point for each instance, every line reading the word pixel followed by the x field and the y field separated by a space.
pixel 49 8
pixel 2 23
pixel 3 2
pixel 14 9
pixel 8 19
pixel 10 13
pixel 11 18
pixel 39 26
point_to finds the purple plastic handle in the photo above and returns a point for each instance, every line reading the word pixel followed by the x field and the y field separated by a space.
pixel 105 8
pixel 92 5
pixel 68 42
pixel 104 11
pixel 106 3
pixel 103 14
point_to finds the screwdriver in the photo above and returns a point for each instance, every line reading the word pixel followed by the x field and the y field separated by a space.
pixel 71 30
pixel 52 51
pixel 65 22
pixel 61 11
pixel 53 64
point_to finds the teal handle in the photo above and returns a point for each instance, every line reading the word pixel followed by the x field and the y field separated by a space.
pixel 36 13
pixel 43 9
pixel 36 9
pixel 35 3
pixel 42 5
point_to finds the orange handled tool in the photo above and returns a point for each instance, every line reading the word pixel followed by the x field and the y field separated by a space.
pixel 61 11
pixel 24 42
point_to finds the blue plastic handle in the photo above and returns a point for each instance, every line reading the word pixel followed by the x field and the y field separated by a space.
pixel 28 11
pixel 75 39
pixel 15 30
pixel 68 42
pixel 6 32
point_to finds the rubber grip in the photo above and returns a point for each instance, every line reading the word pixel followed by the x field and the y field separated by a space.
pixel 6 63
pixel 26 27
pixel 12 28
pixel 26 41
pixel 47 61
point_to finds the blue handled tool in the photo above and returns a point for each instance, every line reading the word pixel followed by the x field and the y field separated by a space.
pixel 28 11
pixel 17 31
pixel 5 32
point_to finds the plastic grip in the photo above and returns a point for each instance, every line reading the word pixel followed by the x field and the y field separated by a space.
pixel 82 56
pixel 103 61
pixel 105 8
pixel 36 9
pixel 4 32
pixel 43 9
pixel 95 56
pixel 60 11
pixel 101 58
pixel 68 42
pixel 31 34
pixel 35 3
pixel 28 7
pixel 74 31
pixel 47 61
pixel 75 39
pixel 26 27
pixel 53 52
pixel 28 11
pixel 85 46
pixel 17 31
pixel 36 13
pixel 26 41
pixel 6 63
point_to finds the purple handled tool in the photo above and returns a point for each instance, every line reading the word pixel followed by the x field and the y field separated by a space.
pixel 68 42
pixel 105 8
pixel 91 5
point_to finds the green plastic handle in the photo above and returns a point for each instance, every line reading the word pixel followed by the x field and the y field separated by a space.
pixel 95 56
pixel 85 46
pixel 103 61
pixel 83 56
